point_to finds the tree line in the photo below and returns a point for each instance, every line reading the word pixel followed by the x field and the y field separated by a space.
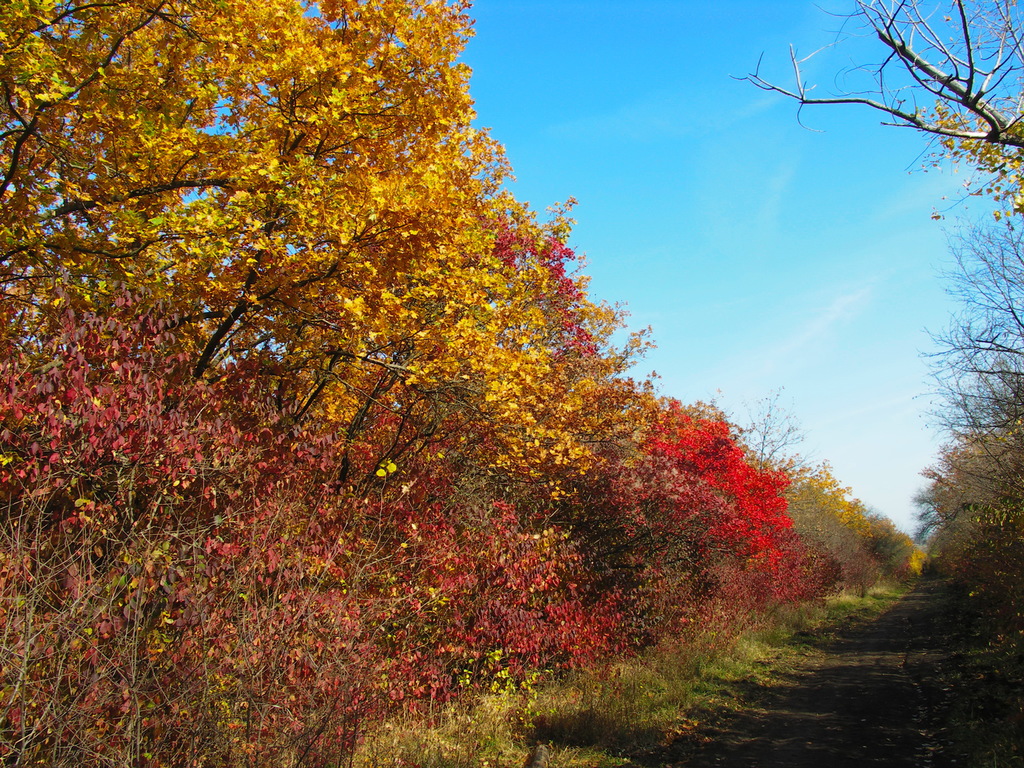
pixel 304 420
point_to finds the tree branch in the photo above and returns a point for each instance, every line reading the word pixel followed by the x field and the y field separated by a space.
pixel 967 88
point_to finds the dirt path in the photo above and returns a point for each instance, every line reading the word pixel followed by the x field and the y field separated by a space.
pixel 869 699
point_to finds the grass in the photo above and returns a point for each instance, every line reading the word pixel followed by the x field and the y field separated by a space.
pixel 599 717
pixel 485 733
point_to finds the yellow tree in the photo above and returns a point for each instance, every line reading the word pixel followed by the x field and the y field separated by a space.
pixel 301 186
pixel 261 166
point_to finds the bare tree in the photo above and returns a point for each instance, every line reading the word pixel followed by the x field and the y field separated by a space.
pixel 980 371
pixel 953 69
pixel 981 363
pixel 772 432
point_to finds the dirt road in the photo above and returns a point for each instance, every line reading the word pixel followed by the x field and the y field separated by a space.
pixel 868 699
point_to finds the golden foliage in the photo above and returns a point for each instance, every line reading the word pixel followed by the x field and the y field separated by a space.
pixel 299 184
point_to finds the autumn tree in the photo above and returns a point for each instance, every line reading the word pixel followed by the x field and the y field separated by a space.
pixel 971 508
pixel 313 197
pixel 275 191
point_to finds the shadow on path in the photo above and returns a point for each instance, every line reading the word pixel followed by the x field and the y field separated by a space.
pixel 867 701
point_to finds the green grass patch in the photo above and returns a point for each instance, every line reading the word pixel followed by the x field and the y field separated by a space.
pixel 848 607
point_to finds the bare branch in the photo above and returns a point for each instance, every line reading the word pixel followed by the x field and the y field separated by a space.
pixel 972 65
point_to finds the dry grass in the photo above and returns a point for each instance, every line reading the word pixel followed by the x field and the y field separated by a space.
pixel 485 733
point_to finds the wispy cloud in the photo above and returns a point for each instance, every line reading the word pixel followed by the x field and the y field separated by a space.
pixel 757 106
pixel 810 332
pixel 651 119
pixel 660 116
pixel 820 325
pixel 663 116
pixel 769 212
pixel 906 404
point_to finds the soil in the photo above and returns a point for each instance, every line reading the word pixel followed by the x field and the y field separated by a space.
pixel 870 696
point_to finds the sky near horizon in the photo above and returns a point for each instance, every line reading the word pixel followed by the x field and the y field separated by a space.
pixel 765 255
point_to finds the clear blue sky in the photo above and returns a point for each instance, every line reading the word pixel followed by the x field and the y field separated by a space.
pixel 764 255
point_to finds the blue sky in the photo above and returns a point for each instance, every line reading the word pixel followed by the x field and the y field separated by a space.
pixel 763 254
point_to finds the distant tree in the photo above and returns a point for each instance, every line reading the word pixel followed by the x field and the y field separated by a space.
pixel 833 522
pixel 893 550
